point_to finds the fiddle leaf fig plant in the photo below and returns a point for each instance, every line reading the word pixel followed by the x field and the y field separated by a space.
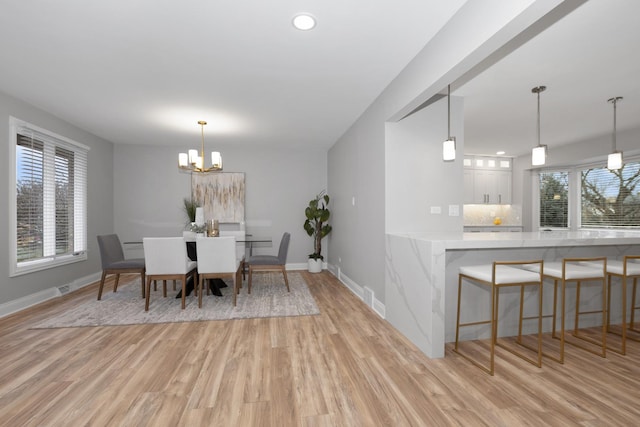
pixel 316 225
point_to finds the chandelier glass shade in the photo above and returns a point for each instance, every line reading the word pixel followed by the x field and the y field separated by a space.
pixel 193 161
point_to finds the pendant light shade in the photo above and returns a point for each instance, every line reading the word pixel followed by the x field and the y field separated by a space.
pixel 539 153
pixel 449 146
pixel 449 149
pixel 614 160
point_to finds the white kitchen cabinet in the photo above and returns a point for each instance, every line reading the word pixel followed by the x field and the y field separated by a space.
pixel 487 181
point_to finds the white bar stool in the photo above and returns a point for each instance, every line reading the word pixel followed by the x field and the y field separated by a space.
pixel 577 270
pixel 628 268
pixel 497 275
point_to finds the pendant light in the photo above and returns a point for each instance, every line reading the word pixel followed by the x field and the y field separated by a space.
pixel 449 146
pixel 539 153
pixel 194 161
pixel 614 160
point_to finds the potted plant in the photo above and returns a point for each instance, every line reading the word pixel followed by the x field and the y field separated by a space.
pixel 190 210
pixel 191 227
pixel 316 226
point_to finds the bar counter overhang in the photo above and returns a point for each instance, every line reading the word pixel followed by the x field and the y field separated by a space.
pixel 421 278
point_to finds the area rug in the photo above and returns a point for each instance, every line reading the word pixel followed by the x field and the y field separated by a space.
pixel 269 298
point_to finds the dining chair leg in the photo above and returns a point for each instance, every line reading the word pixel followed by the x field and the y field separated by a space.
pixel 200 291
pixel 104 276
pixel 184 290
pixel 142 282
pixel 235 290
pixel 115 285
pixel 147 294
pixel 286 280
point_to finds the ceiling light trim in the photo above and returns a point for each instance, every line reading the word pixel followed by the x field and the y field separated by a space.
pixel 304 22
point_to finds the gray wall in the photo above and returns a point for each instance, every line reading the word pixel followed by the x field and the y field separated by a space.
pixel 149 190
pixel 99 193
pixel 417 179
pixel 479 30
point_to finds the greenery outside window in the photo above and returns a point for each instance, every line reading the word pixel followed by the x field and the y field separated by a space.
pixel 48 193
pixel 554 199
pixel 611 198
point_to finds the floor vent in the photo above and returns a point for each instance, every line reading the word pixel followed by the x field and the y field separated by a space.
pixel 368 296
pixel 63 289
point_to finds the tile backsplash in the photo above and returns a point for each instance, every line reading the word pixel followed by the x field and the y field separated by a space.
pixel 480 215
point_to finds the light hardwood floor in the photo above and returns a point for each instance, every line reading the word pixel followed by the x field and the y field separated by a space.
pixel 344 367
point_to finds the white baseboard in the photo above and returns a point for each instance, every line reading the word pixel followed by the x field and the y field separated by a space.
pixel 364 293
pixel 27 301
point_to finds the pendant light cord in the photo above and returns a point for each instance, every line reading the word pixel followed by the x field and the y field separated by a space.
pixel 538 125
pixel 449 111
pixel 614 101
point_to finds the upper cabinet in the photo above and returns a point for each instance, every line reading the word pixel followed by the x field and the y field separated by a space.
pixel 487 180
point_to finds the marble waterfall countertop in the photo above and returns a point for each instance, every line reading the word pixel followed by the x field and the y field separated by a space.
pixel 460 240
pixel 422 269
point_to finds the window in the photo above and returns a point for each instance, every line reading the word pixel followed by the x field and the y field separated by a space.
pixel 48 199
pixel 611 199
pixel 554 199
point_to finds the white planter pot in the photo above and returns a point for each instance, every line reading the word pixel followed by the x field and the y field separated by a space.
pixel 315 265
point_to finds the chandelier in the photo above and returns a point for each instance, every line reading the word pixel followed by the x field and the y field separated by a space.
pixel 194 162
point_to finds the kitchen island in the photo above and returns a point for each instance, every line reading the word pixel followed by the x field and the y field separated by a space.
pixel 421 279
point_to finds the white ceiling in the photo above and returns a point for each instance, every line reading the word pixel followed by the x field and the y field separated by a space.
pixel 586 58
pixel 145 71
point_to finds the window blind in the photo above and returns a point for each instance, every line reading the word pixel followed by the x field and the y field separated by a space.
pixel 554 199
pixel 611 199
pixel 51 175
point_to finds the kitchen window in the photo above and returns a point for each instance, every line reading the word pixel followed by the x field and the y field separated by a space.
pixel 48 193
pixel 602 198
pixel 554 199
pixel 611 198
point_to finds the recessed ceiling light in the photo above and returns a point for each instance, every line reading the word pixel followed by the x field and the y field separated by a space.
pixel 499 153
pixel 304 22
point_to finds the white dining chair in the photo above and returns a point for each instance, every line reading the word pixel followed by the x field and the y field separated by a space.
pixel 218 259
pixel 166 259
pixel 241 247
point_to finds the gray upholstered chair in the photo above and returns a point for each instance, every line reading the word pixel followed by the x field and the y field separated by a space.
pixel 113 262
pixel 271 262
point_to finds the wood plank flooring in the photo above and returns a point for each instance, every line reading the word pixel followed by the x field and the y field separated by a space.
pixel 344 367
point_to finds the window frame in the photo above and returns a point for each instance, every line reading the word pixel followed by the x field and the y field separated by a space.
pixel 575 196
pixel 570 206
pixel 51 139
